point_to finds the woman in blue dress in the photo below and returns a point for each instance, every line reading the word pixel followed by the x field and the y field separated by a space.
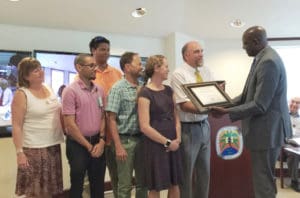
pixel 160 123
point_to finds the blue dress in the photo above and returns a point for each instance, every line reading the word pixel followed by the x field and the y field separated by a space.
pixel 162 169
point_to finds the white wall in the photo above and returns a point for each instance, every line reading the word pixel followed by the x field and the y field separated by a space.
pixel 30 38
pixel 289 51
pixel 229 62
pixel 226 58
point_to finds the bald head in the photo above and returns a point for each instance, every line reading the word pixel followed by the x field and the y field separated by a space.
pixel 192 54
pixel 294 105
pixel 254 40
pixel 257 32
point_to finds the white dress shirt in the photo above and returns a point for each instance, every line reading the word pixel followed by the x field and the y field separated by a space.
pixel 295 120
pixel 7 97
pixel 183 75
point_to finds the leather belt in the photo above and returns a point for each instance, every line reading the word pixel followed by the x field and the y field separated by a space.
pixel 94 139
pixel 131 135
pixel 195 122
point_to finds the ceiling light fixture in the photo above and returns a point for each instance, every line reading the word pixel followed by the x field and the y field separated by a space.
pixel 139 12
pixel 14 0
pixel 237 23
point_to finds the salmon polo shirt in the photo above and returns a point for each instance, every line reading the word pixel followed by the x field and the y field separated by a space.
pixel 106 79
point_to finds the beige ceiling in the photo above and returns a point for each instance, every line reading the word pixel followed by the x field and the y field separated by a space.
pixel 200 18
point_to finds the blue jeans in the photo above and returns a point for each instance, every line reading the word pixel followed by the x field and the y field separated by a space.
pixel 196 159
pixel 81 161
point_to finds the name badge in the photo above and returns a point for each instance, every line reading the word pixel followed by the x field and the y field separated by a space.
pixel 100 103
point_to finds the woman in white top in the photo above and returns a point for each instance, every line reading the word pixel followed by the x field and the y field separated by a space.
pixel 37 134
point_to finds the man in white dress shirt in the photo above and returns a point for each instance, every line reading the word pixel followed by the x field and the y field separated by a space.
pixel 195 127
pixel 6 94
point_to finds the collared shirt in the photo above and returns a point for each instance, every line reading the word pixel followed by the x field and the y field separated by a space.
pixel 7 97
pixel 183 75
pixel 295 120
pixel 107 78
pixel 260 54
pixel 122 101
pixel 86 104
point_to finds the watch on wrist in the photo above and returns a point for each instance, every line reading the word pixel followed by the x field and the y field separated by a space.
pixel 167 144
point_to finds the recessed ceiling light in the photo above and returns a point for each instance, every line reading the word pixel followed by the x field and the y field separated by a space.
pixel 139 12
pixel 14 0
pixel 237 23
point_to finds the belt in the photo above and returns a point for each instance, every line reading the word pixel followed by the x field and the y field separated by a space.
pixel 195 122
pixel 94 139
pixel 162 119
pixel 131 135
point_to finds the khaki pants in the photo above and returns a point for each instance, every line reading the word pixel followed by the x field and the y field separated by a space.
pixel 125 169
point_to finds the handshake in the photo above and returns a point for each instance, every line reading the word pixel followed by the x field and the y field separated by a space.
pixel 217 112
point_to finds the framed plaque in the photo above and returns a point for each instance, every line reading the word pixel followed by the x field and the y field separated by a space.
pixel 206 94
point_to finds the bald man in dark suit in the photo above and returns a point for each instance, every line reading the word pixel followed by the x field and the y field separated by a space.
pixel 263 109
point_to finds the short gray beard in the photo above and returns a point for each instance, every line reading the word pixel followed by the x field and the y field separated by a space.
pixel 200 64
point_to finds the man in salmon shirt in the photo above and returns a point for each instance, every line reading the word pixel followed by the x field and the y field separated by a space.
pixel 106 76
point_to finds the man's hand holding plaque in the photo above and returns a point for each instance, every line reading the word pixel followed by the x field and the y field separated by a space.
pixel 218 112
pixel 207 94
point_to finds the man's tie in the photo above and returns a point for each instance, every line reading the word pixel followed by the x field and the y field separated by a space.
pixel 198 76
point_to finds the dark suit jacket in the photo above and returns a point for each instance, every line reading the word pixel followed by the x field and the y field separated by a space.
pixel 263 107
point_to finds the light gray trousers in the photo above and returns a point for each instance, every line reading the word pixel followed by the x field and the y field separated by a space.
pixel 196 160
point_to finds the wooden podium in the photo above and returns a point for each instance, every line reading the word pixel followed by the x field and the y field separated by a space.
pixel 229 178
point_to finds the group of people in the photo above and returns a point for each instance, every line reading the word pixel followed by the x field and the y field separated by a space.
pixel 146 129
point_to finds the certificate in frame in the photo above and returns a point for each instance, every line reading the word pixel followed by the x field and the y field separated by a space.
pixel 206 94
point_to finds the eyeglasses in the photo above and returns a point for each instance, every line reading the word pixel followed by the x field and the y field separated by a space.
pixel 91 66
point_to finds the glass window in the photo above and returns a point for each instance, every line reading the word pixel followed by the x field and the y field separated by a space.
pixel 57 79
pixel 72 77
pixel 290 58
